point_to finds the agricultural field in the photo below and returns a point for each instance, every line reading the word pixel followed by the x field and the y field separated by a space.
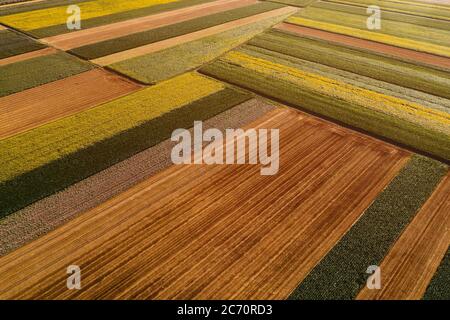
pixel 361 151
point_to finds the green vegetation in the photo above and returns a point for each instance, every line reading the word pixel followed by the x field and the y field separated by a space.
pixel 369 64
pixel 439 288
pixel 25 7
pixel 30 73
pixel 295 3
pixel 342 272
pixel 56 175
pixel 108 47
pixel 12 43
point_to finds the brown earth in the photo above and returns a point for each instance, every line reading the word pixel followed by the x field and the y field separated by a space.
pixel 28 55
pixel 411 55
pixel 115 30
pixel 410 265
pixel 160 45
pixel 220 231
pixel 34 107
pixel 46 215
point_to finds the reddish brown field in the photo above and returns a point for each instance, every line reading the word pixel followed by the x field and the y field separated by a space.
pixel 393 51
pixel 84 37
pixel 197 231
pixel 410 265
pixel 34 107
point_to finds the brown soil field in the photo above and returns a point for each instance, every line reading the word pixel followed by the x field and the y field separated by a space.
pixel 28 55
pixel 160 45
pixel 33 107
pixel 115 30
pixel 198 231
pixel 48 214
pixel 410 265
pixel 408 54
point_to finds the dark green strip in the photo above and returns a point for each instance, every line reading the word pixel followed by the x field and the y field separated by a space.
pixel 342 272
pixel 116 17
pixel 25 7
pixel 57 175
pixel 108 47
pixel 12 43
pixel 371 65
pixel 295 3
pixel 439 287
pixel 387 126
pixel 31 73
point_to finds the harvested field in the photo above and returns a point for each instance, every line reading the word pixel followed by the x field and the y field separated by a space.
pixel 412 262
pixel 86 143
pixel 34 107
pixel 28 56
pixel 161 45
pixel 46 215
pixel 37 71
pixel 41 18
pixel 402 121
pixel 119 29
pixel 139 39
pixel 165 257
pixel 401 34
pixel 148 68
pixel 13 43
pixel 373 234
pixel 388 50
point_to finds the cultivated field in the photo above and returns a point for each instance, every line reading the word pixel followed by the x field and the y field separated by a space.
pixel 87 178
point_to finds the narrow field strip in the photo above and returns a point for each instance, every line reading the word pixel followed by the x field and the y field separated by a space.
pixel 161 45
pixel 295 3
pixel 189 55
pixel 86 143
pixel 117 45
pixel 119 29
pixel 399 34
pixel 13 43
pixel 34 107
pixel 28 56
pixel 182 235
pixel 37 71
pixel 368 64
pixel 438 288
pixel 434 11
pixel 399 120
pixel 410 265
pixel 41 18
pixel 34 5
pixel 342 273
pixel 404 54
pixel 46 215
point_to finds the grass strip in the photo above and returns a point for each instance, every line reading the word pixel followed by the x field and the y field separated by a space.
pixel 73 167
pixel 434 11
pixel 295 3
pixel 187 56
pixel 117 17
pixel 342 272
pixel 372 65
pixel 12 43
pixel 396 119
pixel 112 46
pixel 439 288
pixel 26 7
pixel 31 73
pixel 30 150
pixel 55 16
pixel 386 15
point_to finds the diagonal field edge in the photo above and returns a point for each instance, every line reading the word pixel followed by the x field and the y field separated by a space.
pixel 342 272
pixel 57 175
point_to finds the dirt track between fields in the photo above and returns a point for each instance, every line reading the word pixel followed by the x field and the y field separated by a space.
pixel 197 231
pixel 115 30
pixel 393 51
pixel 34 107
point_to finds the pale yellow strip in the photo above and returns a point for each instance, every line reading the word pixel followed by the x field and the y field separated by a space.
pixel 2 27
pixel 157 46
pixel 84 37
pixel 373 36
